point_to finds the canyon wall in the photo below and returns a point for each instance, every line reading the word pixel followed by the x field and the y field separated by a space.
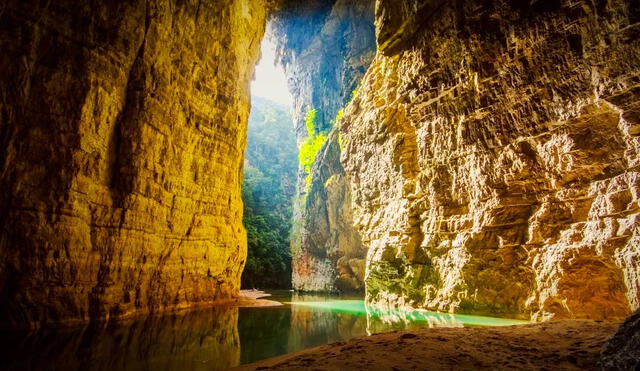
pixel 493 155
pixel 122 131
pixel 325 48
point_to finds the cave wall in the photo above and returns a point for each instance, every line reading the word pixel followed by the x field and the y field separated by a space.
pixel 122 131
pixel 325 48
pixel 490 156
pixel 493 154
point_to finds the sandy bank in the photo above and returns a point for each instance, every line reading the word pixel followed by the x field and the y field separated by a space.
pixel 563 345
pixel 253 298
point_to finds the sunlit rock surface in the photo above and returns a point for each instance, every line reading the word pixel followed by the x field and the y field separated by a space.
pixel 325 48
pixel 329 242
pixel 492 152
pixel 123 126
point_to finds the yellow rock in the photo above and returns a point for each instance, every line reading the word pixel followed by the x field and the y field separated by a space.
pixel 123 128
pixel 495 152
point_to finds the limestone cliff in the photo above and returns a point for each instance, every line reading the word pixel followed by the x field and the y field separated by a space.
pixel 122 131
pixel 325 48
pixel 329 255
pixel 493 157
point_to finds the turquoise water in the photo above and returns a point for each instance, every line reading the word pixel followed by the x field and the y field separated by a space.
pixel 417 317
pixel 216 338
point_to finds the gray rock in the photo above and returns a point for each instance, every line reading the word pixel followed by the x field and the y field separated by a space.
pixel 622 350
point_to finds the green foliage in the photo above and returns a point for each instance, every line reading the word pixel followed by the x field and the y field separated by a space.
pixel 269 186
pixel 310 147
pixel 309 121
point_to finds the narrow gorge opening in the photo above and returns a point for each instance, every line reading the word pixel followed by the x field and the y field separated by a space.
pixel 270 168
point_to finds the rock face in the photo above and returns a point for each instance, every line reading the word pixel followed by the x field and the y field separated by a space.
pixel 326 47
pixel 493 155
pixel 123 126
pixel 330 255
pixel 622 350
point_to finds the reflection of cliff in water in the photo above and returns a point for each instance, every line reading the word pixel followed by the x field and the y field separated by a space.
pixel 355 318
pixel 263 332
pixel 215 338
pixel 205 339
pixel 312 327
pixel 381 320
pixel 385 320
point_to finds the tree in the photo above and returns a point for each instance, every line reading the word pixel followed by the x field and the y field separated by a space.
pixel 268 190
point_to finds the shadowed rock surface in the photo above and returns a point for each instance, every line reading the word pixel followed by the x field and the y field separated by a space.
pixel 622 350
pixel 122 131
pixel 493 154
pixel 331 256
pixel 325 48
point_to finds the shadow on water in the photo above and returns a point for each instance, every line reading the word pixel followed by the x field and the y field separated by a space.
pixel 204 339
pixel 215 338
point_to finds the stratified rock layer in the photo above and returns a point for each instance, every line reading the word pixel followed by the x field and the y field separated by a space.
pixel 123 126
pixel 493 154
pixel 326 47
pixel 329 255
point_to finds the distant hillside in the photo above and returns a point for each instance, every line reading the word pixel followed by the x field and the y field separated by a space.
pixel 269 185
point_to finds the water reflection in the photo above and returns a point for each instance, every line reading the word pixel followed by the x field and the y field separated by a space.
pixel 201 340
pixel 312 326
pixel 384 320
pixel 381 320
pixel 215 338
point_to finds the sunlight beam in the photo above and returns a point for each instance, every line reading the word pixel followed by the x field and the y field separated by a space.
pixel 270 81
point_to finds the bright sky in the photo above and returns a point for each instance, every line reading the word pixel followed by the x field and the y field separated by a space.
pixel 270 82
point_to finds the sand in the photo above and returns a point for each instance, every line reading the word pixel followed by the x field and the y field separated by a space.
pixel 252 298
pixel 562 345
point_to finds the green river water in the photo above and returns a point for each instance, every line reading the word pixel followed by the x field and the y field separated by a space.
pixel 216 338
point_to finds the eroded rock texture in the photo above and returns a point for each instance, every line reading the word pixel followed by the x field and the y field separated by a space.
pixel 330 255
pixel 326 47
pixel 493 154
pixel 622 350
pixel 122 130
